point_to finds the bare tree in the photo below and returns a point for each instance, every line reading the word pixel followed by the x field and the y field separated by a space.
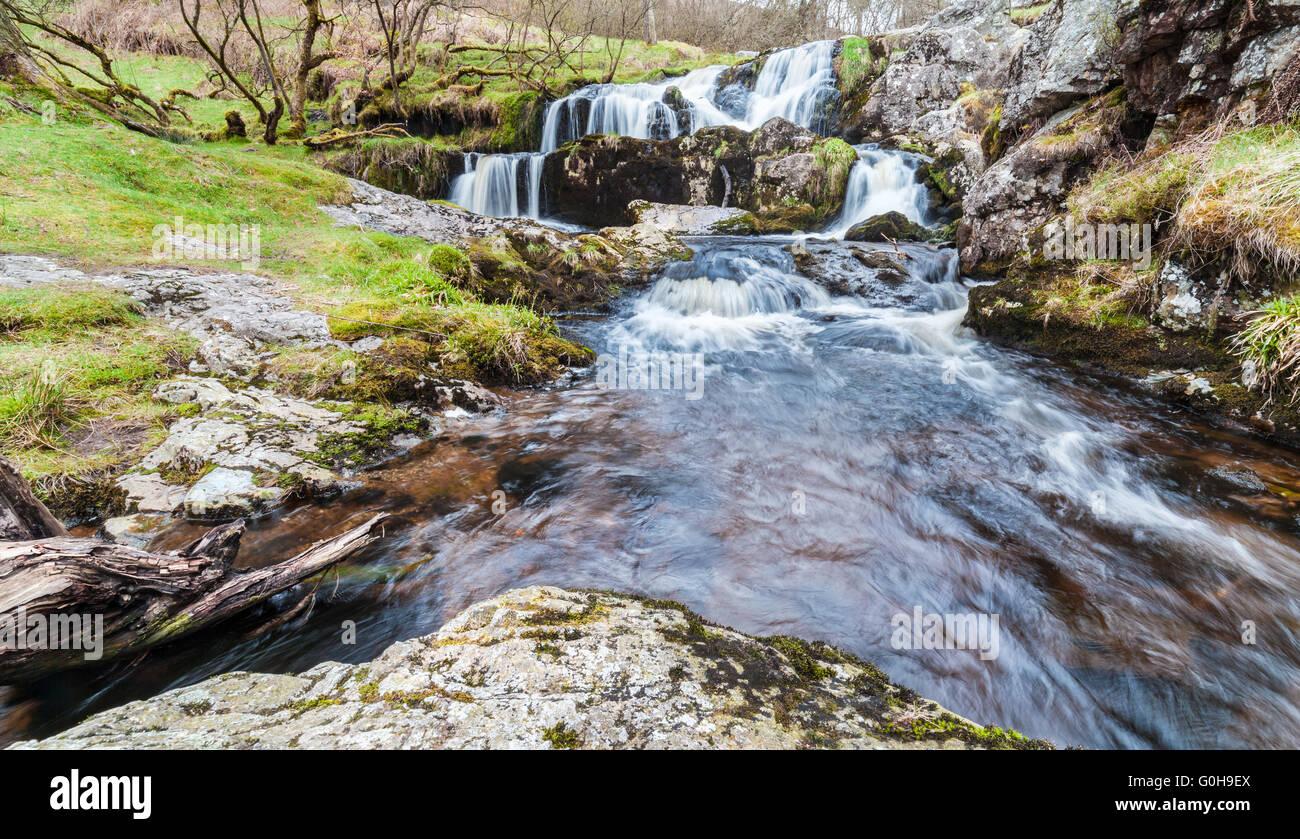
pixel 65 79
pixel 242 22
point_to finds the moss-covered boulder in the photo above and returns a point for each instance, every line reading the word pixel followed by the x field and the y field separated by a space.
pixel 886 227
pixel 788 177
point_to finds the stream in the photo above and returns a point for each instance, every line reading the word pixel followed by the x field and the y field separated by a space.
pixel 841 460
pixel 818 464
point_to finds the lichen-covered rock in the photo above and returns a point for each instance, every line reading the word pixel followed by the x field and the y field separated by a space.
pixel 244 443
pixel 134 531
pixel 968 45
pixel 685 220
pixel 547 668
pixel 1017 195
pixel 224 494
pixel 232 316
pixel 1069 55
pixel 1185 302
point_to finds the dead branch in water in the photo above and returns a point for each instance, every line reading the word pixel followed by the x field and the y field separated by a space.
pixel 138 599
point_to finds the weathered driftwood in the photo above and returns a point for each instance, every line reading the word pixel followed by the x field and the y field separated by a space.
pixel 96 597
pixel 22 515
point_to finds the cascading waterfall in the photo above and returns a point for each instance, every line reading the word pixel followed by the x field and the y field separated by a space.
pixel 794 83
pixel 879 182
pixel 492 185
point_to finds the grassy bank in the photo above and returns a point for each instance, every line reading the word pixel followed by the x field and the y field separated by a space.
pixel 1224 211
pixel 78 365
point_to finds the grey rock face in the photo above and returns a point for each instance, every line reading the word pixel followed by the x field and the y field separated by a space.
pixel 1069 55
pixel 27 271
pixel 969 43
pixel 929 75
pixel 230 314
pixel 404 215
pixel 545 668
pixel 228 494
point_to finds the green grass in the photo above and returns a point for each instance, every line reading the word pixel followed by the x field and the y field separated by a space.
pixel 1238 194
pixel 857 66
pixel 62 311
pixel 1272 342
pixel 72 358
pixel 74 362
pixel 1029 14
pixel 1148 193
pixel 1248 197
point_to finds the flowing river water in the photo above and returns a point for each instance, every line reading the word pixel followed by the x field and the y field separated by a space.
pixel 837 461
pixel 842 460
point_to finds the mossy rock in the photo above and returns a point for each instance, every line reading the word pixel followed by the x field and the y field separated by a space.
pixel 890 226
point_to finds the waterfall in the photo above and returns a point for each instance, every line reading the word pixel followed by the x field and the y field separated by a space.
pixel 492 185
pixel 793 83
pixel 879 182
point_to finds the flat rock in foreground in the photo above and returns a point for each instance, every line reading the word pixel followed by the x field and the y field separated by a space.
pixel 546 668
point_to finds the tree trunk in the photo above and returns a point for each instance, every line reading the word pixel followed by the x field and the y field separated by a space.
pixel 651 36
pixel 306 63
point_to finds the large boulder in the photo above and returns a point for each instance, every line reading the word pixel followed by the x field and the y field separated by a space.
pixel 685 220
pixel 1069 55
pixel 886 227
pixel 545 668
pixel 787 176
pixel 799 179
pixel 592 180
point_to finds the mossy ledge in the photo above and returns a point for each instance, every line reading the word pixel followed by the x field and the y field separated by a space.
pixel 548 668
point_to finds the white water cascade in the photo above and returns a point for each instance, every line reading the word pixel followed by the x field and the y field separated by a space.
pixel 492 185
pixel 879 182
pixel 793 84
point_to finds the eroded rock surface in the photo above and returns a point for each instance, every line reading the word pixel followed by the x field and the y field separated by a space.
pixel 544 668
pixel 787 176
pixel 685 220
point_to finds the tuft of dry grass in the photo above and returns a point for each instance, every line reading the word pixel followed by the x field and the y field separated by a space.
pixel 1247 200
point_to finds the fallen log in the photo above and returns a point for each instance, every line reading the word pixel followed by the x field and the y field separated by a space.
pixel 67 600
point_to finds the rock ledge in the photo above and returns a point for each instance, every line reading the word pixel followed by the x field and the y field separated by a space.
pixel 543 667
